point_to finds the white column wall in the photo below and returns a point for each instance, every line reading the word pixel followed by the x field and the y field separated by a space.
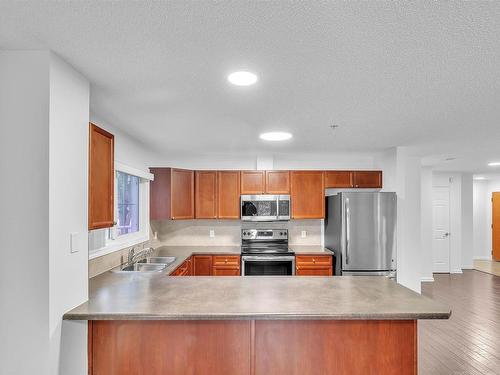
pixel 467 198
pixel 68 272
pixel 426 224
pixel 408 170
pixel 24 222
pixel 482 231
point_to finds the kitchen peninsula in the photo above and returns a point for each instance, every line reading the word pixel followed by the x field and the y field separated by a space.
pixel 153 323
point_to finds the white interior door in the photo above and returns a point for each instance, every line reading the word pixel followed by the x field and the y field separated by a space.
pixel 441 229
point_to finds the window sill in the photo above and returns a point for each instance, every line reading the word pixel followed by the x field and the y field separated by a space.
pixel 118 245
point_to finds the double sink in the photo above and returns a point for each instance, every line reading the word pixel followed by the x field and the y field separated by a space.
pixel 150 264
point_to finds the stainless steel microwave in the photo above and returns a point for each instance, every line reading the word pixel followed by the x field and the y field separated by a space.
pixel 265 207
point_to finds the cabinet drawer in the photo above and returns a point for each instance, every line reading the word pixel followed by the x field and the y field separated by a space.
pixel 313 260
pixel 313 271
pixel 232 261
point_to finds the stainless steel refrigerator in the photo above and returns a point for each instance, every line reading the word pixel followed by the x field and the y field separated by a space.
pixel 360 228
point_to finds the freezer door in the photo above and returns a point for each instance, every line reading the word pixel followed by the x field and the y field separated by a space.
pixel 369 231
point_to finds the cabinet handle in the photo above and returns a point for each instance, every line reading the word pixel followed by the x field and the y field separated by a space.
pixel 225 260
pixel 314 260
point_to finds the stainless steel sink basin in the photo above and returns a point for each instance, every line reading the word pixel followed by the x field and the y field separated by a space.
pixel 161 260
pixel 142 267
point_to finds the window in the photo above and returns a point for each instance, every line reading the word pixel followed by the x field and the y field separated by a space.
pixel 127 207
pixel 131 213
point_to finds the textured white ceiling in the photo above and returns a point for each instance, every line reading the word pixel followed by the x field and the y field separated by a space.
pixel 422 74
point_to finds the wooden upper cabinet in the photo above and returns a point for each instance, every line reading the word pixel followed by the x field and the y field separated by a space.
pixel 172 194
pixel 101 178
pixel 307 190
pixel 228 194
pixel 367 179
pixel 338 179
pixel 277 182
pixel 252 182
pixel 205 195
pixel 182 194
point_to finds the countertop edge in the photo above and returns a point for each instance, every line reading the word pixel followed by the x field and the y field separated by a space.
pixel 265 316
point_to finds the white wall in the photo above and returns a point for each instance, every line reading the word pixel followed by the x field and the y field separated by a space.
pixel 482 217
pixel 128 150
pixel 426 224
pixel 44 117
pixel 68 272
pixel 24 222
pixel 482 213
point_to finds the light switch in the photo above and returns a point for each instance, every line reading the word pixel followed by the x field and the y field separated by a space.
pixel 303 234
pixel 211 233
pixel 74 242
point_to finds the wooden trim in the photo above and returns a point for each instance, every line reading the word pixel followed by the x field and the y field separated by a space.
pixel 90 347
pixel 252 347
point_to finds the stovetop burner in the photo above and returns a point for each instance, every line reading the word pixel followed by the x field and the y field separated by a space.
pixel 265 241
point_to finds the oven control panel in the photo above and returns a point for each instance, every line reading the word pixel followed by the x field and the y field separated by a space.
pixel 264 234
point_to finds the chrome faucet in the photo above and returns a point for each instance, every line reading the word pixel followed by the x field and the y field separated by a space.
pixel 134 256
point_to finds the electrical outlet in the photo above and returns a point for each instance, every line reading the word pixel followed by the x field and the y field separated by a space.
pixel 155 235
pixel 211 233
pixel 303 234
pixel 74 242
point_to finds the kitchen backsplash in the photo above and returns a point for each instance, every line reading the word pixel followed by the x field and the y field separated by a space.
pixel 228 232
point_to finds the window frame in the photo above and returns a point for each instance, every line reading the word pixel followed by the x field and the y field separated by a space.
pixel 113 242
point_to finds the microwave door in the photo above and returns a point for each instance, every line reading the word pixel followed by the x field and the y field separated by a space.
pixel 259 208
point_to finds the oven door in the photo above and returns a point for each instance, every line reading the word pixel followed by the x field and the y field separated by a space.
pixel 259 207
pixel 272 265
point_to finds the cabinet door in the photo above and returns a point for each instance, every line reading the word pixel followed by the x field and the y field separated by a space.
pixel 206 195
pixel 159 194
pixel 252 182
pixel 307 194
pixel 217 271
pixel 318 271
pixel 202 265
pixel 277 182
pixel 338 179
pixel 101 178
pixel 182 194
pixel 228 194
pixel 367 179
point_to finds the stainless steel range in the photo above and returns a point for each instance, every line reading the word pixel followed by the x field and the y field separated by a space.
pixel 265 252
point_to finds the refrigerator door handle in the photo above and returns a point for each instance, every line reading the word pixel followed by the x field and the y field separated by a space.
pixel 347 230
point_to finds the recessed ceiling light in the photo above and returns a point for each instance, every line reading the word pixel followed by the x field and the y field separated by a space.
pixel 494 164
pixel 242 78
pixel 479 178
pixel 275 136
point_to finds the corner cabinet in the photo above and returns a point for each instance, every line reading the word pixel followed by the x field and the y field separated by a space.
pixel 307 193
pixel 172 194
pixel 101 178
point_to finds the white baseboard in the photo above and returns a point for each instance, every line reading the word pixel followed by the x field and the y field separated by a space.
pixel 456 271
pixel 482 258
pixel 427 279
pixel 468 267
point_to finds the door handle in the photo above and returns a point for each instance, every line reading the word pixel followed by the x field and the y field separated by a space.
pixel 446 234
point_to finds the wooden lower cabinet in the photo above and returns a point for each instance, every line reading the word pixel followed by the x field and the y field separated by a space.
pixel 226 265
pixel 185 269
pixel 202 265
pixel 252 347
pixel 314 265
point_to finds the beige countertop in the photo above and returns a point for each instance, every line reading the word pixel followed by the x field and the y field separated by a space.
pixel 156 296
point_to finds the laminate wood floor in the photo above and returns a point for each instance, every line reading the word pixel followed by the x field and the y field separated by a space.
pixel 489 266
pixel 469 342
